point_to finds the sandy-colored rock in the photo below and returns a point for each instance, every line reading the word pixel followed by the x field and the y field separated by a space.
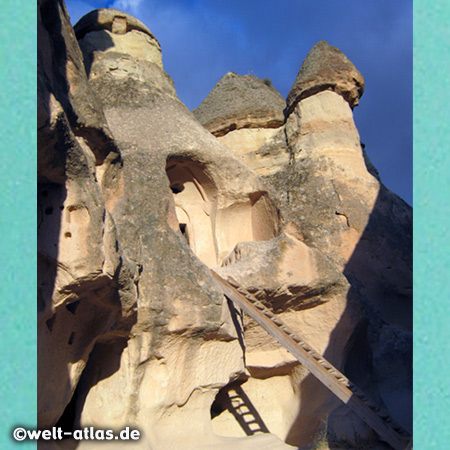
pixel 296 282
pixel 329 189
pixel 112 31
pixel 109 19
pixel 326 68
pixel 79 266
pixel 174 197
pixel 280 393
pixel 246 113
pixel 62 81
pixel 327 129
pixel 133 330
pixel 284 272
pixel 247 140
pixel 238 102
pixel 349 220
pixel 271 157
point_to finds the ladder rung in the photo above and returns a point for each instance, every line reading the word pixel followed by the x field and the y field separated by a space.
pixel 315 363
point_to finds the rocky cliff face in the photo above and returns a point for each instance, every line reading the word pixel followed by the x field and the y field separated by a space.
pixel 138 200
pixel 326 186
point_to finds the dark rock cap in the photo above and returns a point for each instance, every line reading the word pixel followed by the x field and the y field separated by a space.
pixel 109 19
pixel 326 68
pixel 241 101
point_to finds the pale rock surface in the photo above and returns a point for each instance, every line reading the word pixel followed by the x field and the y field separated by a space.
pixel 79 266
pixel 357 222
pixel 309 294
pixel 247 140
pixel 173 197
pixel 237 102
pixel 272 156
pixel 328 188
pixel 132 328
pixel 289 401
pixel 244 113
pixel 112 31
pixel 291 274
pixel 326 68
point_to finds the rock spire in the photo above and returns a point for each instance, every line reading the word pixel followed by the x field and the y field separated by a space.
pixel 326 68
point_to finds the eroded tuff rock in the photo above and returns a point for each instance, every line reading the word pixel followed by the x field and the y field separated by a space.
pixel 137 200
pixel 327 187
pixel 244 113
pixel 80 270
pixel 326 68
pixel 238 102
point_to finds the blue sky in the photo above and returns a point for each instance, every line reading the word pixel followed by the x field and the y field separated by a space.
pixel 201 40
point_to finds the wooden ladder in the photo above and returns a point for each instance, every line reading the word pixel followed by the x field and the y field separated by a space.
pixel 325 372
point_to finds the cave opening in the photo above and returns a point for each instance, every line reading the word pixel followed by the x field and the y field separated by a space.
pixel 194 195
pixel 184 231
pixel 214 220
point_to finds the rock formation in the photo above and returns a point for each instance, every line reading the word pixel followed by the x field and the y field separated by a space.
pixel 326 68
pixel 137 200
pixel 244 112
pixel 325 184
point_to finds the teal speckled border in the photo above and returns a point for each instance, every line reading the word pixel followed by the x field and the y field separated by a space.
pixel 431 225
pixel 17 219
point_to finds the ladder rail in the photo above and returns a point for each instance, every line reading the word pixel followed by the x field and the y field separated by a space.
pixel 323 370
